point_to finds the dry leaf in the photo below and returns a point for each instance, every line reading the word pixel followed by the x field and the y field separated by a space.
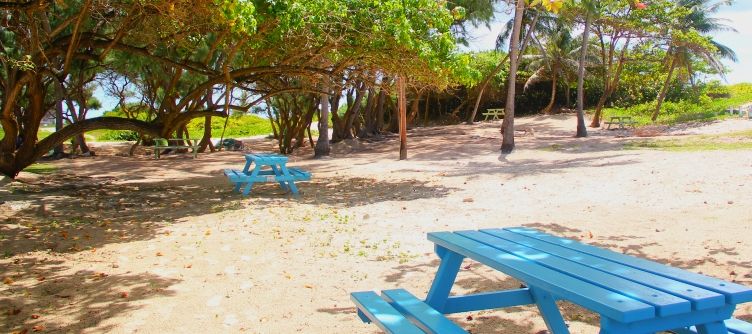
pixel 123 294
pixel 208 232
pixel 38 328
pixel 590 234
pixel 8 280
pixel 189 266
pixel 308 286
pixel 159 254
pixel 41 278
pixel 35 316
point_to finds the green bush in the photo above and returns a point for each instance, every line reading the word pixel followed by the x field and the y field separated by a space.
pixel 238 126
pixel 117 135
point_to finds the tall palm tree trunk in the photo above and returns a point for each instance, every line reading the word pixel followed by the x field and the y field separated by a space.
pixel 507 126
pixel 581 128
pixel 322 148
pixel 664 90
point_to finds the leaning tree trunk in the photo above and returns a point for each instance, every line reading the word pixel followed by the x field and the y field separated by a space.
pixel 581 128
pixel 550 105
pixel 206 139
pixel 507 126
pixel 323 148
pixel 664 90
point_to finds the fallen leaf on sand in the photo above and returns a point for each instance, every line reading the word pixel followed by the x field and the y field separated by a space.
pixel 308 286
pixel 468 200
pixel 38 328
pixel 41 278
pixel 35 316
pixel 208 232
pixel 188 266
pixel 8 280
pixel 159 254
pixel 123 294
pixel 590 234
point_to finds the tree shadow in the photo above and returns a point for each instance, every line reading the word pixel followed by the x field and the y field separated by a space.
pixel 79 300
pixel 348 192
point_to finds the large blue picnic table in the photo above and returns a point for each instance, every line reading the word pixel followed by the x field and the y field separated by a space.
pixel 631 295
pixel 266 167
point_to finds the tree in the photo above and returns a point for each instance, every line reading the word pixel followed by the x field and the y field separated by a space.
pixel 556 58
pixel 507 126
pixel 690 39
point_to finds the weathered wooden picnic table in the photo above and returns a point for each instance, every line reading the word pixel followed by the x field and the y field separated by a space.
pixel 267 167
pixel 494 114
pixel 621 121
pixel 631 295
pixel 174 143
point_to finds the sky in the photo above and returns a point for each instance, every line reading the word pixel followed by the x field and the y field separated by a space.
pixel 739 16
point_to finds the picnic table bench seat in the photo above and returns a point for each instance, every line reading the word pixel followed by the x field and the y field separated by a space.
pixel 734 326
pixel 398 311
pixel 494 114
pixel 238 176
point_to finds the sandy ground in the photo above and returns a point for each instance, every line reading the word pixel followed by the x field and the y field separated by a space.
pixel 132 245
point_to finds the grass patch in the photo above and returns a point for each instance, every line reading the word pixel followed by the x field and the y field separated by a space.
pixel 40 168
pixel 706 109
pixel 727 142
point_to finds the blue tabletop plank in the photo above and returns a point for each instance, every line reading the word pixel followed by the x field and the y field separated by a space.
pixel 701 298
pixel 665 304
pixel 734 293
pixel 609 303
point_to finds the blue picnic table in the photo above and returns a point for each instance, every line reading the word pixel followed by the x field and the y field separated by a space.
pixel 266 167
pixel 631 295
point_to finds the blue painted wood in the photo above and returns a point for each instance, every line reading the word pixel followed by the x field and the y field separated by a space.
pixel 267 168
pixel 734 293
pixel 445 276
pixel 382 314
pixel 666 323
pixel 734 326
pixel 603 301
pixel 717 327
pixel 700 298
pixel 422 315
pixel 488 301
pixel 547 306
pixel 665 304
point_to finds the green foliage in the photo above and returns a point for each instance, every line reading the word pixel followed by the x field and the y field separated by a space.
pixel 726 142
pixel 700 108
pixel 238 126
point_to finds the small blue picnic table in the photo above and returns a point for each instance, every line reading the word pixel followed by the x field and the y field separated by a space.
pixel 632 295
pixel 267 167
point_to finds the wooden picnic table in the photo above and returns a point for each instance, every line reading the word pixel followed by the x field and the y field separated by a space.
pixel 631 295
pixel 622 121
pixel 267 167
pixel 495 114
pixel 173 143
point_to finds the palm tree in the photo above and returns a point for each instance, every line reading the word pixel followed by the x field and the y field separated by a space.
pixel 681 53
pixel 507 126
pixel 556 58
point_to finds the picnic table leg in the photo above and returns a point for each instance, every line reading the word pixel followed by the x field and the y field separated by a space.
pixel 254 173
pixel 445 276
pixel 718 327
pixel 290 184
pixel 277 171
pixel 551 315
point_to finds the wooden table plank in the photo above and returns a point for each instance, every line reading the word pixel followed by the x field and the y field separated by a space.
pixel 701 298
pixel 665 304
pixel 734 293
pixel 613 305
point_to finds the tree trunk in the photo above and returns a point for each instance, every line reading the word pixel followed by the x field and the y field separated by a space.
pixel 611 87
pixel 498 68
pixel 507 126
pixel 581 128
pixel 206 139
pixel 59 150
pixel 664 90
pixel 323 148
pixel 550 105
